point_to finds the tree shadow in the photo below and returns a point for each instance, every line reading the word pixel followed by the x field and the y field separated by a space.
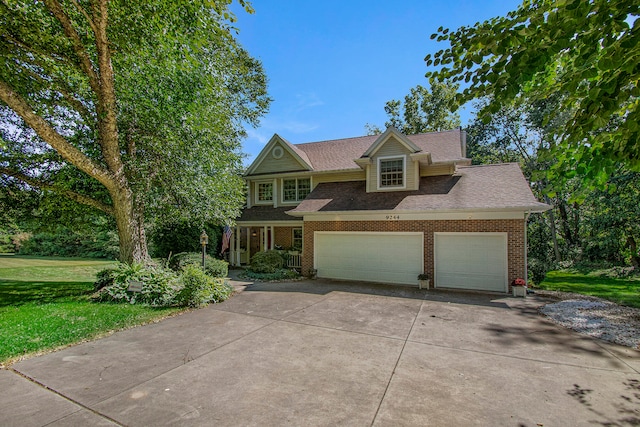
pixel 627 408
pixel 16 293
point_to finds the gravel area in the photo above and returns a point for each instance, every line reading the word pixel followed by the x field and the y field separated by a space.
pixel 595 317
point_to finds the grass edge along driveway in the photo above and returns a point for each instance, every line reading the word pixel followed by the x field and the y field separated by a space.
pixel 45 305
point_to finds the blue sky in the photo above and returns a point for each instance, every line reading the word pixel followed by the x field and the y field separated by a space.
pixel 333 64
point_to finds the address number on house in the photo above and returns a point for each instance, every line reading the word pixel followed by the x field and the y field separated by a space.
pixel 392 217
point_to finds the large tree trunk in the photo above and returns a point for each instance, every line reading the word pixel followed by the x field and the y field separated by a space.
pixel 130 223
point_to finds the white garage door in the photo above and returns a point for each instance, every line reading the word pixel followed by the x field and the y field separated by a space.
pixel 374 257
pixel 471 261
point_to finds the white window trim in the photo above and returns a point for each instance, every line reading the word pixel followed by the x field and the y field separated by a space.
pixel 293 230
pixel 404 173
pixel 294 202
pixel 257 193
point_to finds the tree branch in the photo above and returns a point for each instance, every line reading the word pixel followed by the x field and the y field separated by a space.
pixel 108 124
pixel 70 153
pixel 86 15
pixel 85 62
pixel 77 197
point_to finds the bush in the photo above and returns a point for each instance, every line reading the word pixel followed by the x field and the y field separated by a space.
pixel 68 243
pixel 280 274
pixel 537 270
pixel 213 267
pixel 267 262
pixel 159 285
pixel 173 236
pixel 198 288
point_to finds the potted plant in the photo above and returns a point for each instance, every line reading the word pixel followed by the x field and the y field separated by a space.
pixel 519 287
pixel 423 281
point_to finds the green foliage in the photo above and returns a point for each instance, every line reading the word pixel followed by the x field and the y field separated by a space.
pixel 198 288
pixel 144 119
pixel 277 275
pixel 174 236
pixel 213 267
pixel 159 286
pixel 267 261
pixel 583 53
pixel 72 243
pixel 537 269
pixel 423 110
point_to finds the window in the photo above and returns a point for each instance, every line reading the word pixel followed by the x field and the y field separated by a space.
pixel 295 190
pixel 265 191
pixel 392 172
pixel 297 238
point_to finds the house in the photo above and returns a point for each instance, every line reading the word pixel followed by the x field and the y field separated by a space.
pixel 385 208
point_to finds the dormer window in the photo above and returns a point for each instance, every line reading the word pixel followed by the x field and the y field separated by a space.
pixel 296 189
pixel 265 192
pixel 391 172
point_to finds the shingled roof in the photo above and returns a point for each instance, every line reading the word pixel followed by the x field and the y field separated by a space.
pixel 487 187
pixel 339 154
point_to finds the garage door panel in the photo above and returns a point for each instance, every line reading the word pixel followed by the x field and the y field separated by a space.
pixel 475 261
pixel 377 257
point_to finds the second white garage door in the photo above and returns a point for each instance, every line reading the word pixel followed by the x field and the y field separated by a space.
pixel 471 261
pixel 375 257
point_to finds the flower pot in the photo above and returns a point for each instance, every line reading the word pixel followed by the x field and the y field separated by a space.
pixel 423 284
pixel 519 291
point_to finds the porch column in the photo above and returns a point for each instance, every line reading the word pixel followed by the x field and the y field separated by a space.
pixel 236 246
pixel 273 238
pixel 265 237
pixel 248 244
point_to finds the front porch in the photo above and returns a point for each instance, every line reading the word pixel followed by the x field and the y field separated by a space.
pixel 249 239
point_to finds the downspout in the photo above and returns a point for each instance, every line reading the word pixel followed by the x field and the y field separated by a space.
pixel 526 248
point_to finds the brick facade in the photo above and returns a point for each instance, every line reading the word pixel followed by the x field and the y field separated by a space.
pixel 514 228
pixel 284 236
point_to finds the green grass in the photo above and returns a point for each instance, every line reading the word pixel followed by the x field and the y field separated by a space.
pixel 621 291
pixel 44 305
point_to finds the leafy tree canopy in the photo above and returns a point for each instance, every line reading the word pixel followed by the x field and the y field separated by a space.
pixel 585 53
pixel 134 108
pixel 423 110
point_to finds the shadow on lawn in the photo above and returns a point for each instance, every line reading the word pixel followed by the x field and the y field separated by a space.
pixel 16 293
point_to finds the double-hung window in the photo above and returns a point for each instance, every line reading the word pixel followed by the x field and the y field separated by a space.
pixel 296 189
pixel 391 172
pixel 265 191
pixel 297 238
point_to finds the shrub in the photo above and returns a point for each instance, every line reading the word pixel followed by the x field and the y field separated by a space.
pixel 198 288
pixel 280 274
pixel 179 236
pixel 159 285
pixel 68 243
pixel 537 270
pixel 213 267
pixel 267 262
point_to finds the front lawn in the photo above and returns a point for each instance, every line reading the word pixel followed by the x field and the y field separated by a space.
pixel 625 291
pixel 44 304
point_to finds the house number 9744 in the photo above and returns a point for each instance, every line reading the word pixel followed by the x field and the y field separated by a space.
pixel 392 217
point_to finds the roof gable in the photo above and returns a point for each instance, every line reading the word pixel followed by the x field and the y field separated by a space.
pixel 279 156
pixel 385 137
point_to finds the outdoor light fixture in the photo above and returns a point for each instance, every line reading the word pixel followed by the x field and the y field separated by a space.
pixel 254 234
pixel 204 240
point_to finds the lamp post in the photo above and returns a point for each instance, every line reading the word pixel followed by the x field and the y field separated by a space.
pixel 204 239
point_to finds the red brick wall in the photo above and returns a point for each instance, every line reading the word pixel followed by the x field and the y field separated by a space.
pixel 514 228
pixel 284 236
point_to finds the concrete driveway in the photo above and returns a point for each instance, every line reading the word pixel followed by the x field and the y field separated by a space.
pixel 333 353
